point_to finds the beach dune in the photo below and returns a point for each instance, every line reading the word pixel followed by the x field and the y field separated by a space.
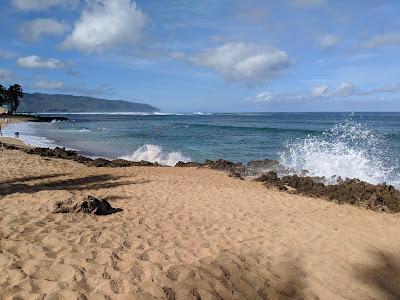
pixel 184 233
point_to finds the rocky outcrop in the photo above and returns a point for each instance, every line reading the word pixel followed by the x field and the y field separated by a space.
pixel 98 162
pixel 189 164
pixel 380 197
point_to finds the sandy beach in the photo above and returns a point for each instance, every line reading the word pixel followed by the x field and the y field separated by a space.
pixel 184 233
pixel 7 120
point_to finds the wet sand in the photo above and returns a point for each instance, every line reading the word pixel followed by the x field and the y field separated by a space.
pixel 184 233
pixel 12 120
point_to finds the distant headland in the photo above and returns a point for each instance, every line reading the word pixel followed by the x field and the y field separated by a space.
pixel 43 103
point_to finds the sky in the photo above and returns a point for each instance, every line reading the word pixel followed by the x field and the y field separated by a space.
pixel 209 56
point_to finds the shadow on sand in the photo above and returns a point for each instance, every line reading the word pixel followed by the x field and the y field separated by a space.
pixel 32 178
pixel 384 274
pixel 93 182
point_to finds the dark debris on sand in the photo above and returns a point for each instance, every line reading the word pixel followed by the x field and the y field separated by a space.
pixel 88 205
pixel 380 197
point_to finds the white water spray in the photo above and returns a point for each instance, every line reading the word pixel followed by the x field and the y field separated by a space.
pixel 348 150
pixel 154 153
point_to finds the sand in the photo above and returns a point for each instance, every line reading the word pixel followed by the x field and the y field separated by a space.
pixel 12 120
pixel 184 233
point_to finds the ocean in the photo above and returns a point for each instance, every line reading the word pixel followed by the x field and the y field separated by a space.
pixel 349 145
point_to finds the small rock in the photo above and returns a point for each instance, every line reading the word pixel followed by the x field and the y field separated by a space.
pixel 88 205
pixel 236 175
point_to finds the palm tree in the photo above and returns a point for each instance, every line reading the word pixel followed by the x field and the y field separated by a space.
pixel 14 94
pixel 3 96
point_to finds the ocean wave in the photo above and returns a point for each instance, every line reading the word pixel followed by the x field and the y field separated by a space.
pixel 249 128
pixel 27 134
pixel 96 113
pixel 199 113
pixel 126 113
pixel 348 150
pixel 155 153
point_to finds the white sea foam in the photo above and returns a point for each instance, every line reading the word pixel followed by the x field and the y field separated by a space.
pixel 27 134
pixel 154 153
pixel 82 130
pixel 348 150
pixel 199 113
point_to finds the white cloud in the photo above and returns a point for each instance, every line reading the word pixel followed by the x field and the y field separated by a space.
pixel 270 97
pixel 35 62
pixel 106 24
pixel 344 89
pixel 320 92
pixel 391 38
pixel 43 4
pixel 328 41
pixel 249 63
pixel 49 85
pixel 36 29
pixel 310 3
pixel 4 74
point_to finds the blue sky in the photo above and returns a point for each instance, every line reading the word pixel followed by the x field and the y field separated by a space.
pixel 211 56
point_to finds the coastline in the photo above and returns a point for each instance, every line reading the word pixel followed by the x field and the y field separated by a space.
pixel 183 232
pixel 11 120
pixel 377 197
pixel 6 120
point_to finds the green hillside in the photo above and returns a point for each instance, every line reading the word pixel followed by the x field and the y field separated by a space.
pixel 37 103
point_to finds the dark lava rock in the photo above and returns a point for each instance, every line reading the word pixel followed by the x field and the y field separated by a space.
pixel 56 152
pixel 236 175
pixel 96 206
pixel 89 205
pixel 119 163
pixel 271 179
pixel 83 160
pixel 222 164
pixel 98 162
pixel 182 164
pixel 144 163
pixel 380 197
pixel 9 147
pixel 219 164
pixel 262 164
pixel 305 185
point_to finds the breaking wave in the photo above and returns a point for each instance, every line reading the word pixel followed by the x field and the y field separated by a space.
pixel 348 150
pixel 154 153
pixel 27 134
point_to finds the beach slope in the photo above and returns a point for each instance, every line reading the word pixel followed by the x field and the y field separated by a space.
pixel 184 233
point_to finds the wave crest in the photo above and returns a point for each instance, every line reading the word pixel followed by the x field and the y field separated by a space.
pixel 348 150
pixel 154 153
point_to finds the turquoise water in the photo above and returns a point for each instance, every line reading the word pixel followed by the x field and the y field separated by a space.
pixel 361 145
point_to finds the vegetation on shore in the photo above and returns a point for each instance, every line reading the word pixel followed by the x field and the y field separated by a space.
pixel 14 98
pixel 11 97
pixel 59 103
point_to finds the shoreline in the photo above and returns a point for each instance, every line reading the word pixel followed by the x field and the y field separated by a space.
pixel 183 233
pixel 377 197
pixel 6 120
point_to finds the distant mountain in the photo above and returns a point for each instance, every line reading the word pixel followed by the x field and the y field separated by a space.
pixel 37 103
